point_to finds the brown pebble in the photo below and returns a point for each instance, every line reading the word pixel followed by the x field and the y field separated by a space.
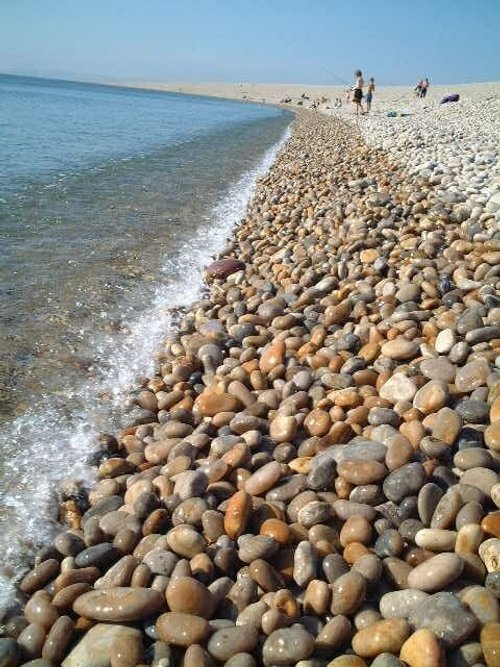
pixel 189 596
pixel 422 649
pixel 387 636
pixel 237 514
pixel 348 592
pixel 182 629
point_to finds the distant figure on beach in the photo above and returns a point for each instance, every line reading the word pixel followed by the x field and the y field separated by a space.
pixel 357 89
pixel 369 94
pixel 418 88
pixel 424 87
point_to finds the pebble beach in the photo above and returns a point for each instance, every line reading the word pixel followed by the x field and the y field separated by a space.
pixel 311 477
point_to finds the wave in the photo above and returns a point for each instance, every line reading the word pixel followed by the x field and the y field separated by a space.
pixel 49 442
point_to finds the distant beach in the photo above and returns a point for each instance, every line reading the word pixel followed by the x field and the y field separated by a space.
pixel 386 97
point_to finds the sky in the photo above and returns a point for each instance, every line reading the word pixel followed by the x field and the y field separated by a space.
pixel 281 41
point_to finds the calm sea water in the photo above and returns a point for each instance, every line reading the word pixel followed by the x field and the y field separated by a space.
pixel 111 202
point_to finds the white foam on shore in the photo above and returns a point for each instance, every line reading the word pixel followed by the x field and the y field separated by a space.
pixel 49 442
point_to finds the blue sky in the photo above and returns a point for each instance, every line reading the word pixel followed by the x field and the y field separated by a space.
pixel 288 41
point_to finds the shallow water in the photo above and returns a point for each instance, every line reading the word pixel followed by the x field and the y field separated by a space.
pixel 105 229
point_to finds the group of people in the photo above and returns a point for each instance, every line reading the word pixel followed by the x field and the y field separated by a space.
pixel 358 97
pixel 357 93
pixel 421 88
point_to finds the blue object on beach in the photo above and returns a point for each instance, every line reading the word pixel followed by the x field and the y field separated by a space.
pixel 450 98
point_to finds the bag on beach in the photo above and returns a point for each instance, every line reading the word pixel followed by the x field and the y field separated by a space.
pixel 450 98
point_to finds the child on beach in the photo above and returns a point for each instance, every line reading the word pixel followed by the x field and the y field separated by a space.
pixel 358 91
pixel 369 94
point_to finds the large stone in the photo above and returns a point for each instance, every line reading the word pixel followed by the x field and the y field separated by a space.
pixel 222 268
pixel 446 617
pixel 119 605
pixel 96 647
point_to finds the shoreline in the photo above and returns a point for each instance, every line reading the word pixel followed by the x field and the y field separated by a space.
pixel 318 347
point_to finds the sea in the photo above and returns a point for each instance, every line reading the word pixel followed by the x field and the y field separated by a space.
pixel 112 201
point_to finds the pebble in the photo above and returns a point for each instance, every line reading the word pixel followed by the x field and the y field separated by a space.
pixel 401 604
pixel 237 514
pixel 431 397
pixel 482 603
pixel 439 370
pixel 361 472
pixel 226 642
pixel 287 645
pixel 9 652
pixel 387 636
pixel 399 387
pixel 436 539
pixel 436 573
pixel 471 376
pixel 400 349
pixel 189 596
pixel 263 479
pixel 182 629
pixel 405 481
pixel 185 541
pixel 490 643
pixel 348 592
pixel 492 436
pixel 422 649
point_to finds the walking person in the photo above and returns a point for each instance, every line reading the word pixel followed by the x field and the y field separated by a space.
pixel 369 94
pixel 424 87
pixel 357 88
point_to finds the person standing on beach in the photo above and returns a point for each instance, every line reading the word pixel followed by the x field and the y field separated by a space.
pixel 424 87
pixel 358 91
pixel 369 94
